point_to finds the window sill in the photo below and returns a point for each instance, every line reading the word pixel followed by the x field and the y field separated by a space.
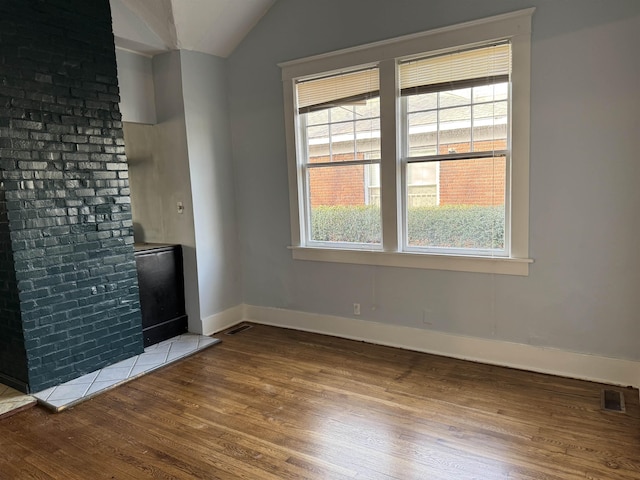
pixel 458 263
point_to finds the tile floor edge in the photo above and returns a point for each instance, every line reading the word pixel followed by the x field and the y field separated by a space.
pixel 74 402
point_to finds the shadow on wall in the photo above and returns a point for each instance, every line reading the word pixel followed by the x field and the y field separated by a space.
pixel 13 365
pixel 138 232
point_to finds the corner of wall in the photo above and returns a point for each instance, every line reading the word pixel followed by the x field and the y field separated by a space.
pixel 223 320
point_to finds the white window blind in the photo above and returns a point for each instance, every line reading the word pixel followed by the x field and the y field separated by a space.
pixel 490 64
pixel 337 89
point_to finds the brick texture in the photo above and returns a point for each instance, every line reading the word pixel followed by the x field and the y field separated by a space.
pixel 473 182
pixel 66 187
pixel 339 185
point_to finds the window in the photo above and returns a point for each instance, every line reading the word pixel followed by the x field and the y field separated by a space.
pixel 339 131
pixel 414 152
pixel 455 149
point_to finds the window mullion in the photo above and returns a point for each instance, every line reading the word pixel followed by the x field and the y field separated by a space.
pixel 389 171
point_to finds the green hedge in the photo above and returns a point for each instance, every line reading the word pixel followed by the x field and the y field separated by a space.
pixel 459 226
pixel 359 224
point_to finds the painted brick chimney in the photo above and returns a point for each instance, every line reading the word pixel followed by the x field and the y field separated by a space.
pixel 69 299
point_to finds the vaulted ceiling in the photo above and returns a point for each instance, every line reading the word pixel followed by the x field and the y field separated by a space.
pixel 210 26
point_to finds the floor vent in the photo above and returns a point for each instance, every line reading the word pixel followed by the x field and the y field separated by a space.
pixel 612 401
pixel 239 329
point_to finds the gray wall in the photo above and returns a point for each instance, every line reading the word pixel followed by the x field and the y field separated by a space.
pixel 582 291
pixel 135 78
pixel 212 180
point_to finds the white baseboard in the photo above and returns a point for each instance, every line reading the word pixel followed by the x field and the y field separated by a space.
pixel 222 320
pixel 496 352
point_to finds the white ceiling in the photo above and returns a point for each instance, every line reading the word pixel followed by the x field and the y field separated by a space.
pixel 215 27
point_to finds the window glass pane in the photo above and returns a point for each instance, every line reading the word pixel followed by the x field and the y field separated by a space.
pixel 318 117
pixel 454 134
pixel 422 173
pixel 452 124
pixel 427 120
pixel 318 135
pixel 373 173
pixel 490 126
pixel 422 184
pixel 451 117
pixel 368 139
pixel 457 140
pixel 370 127
pixel 424 145
pixel 318 145
pixel 368 109
pixel 490 138
pixel 489 112
pixel 424 101
pixel 490 93
pixel 423 135
pixel 351 134
pixel 342 131
pixel 342 142
pixel 453 98
pixel 466 206
pixel 342 113
pixel 343 206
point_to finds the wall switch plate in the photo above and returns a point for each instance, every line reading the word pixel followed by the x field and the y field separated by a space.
pixel 180 207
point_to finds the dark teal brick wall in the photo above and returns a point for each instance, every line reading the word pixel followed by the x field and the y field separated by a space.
pixel 66 188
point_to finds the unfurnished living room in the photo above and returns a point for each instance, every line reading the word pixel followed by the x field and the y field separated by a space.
pixel 319 239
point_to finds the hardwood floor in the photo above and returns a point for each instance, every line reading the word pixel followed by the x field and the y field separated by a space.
pixel 271 403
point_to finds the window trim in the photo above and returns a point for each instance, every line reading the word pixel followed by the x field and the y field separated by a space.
pixel 513 26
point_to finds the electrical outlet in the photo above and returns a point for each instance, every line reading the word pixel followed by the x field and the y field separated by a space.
pixel 356 309
pixel 180 206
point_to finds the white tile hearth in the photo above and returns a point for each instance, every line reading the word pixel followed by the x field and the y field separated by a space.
pixel 155 356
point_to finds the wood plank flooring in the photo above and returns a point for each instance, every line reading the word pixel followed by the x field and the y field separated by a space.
pixel 271 404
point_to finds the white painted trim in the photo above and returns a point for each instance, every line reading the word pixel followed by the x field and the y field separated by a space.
pixel 222 320
pixel 495 352
pixel 390 185
pixel 459 263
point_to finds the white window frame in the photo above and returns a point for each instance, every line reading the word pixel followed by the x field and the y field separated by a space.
pixel 515 27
